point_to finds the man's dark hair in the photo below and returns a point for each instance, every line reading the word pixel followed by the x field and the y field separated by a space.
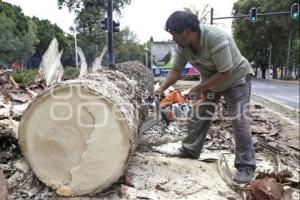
pixel 181 20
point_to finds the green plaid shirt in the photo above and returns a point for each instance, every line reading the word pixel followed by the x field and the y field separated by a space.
pixel 217 53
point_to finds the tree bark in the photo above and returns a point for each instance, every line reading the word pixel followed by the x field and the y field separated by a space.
pixel 3 187
pixel 79 135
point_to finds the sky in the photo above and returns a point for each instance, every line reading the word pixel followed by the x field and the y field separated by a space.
pixel 145 18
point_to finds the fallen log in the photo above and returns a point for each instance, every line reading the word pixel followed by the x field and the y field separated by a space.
pixel 3 187
pixel 79 135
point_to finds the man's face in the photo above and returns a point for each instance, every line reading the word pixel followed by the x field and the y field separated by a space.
pixel 182 39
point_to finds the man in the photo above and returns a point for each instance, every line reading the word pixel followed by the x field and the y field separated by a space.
pixel 224 71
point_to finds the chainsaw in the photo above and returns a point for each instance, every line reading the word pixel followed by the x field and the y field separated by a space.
pixel 167 110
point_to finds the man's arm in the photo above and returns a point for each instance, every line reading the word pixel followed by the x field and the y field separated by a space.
pixel 172 77
pixel 212 82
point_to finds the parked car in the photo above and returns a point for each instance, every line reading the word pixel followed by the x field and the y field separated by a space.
pixel 16 67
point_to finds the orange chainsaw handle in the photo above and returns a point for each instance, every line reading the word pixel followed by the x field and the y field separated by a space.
pixel 173 97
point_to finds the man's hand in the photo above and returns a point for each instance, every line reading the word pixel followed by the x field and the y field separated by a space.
pixel 159 92
pixel 195 93
pixel 171 78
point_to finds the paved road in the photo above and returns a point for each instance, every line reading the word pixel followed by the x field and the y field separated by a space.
pixel 283 93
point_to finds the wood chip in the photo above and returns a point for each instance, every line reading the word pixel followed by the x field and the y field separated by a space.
pixel 23 98
pixel 259 130
pixel 161 188
pixel 128 192
pixel 273 144
pixel 14 82
pixel 266 188
pixel 31 92
pixel 258 106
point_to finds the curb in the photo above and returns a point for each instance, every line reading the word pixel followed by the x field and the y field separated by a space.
pixel 276 102
pixel 294 82
pixel 282 110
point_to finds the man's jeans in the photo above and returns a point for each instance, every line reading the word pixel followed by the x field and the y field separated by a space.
pixel 238 105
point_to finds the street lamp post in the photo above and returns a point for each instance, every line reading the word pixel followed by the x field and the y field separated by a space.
pixel 146 54
pixel 75 38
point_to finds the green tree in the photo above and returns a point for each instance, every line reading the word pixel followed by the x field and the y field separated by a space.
pixel 9 43
pixel 68 57
pixel 91 12
pixel 91 38
pixel 255 39
pixel 16 15
pixel 13 25
pixel 24 39
pixel 29 41
pixel 91 44
pixel 127 47
pixel 46 31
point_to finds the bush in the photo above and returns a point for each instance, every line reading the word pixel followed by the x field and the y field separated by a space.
pixel 25 77
pixel 71 72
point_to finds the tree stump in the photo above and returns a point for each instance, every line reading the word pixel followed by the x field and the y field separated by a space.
pixel 3 187
pixel 79 135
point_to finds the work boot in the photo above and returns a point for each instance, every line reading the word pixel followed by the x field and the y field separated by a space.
pixel 244 175
pixel 184 153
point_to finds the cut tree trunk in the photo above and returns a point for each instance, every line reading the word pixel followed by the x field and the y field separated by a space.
pixel 3 187
pixel 79 135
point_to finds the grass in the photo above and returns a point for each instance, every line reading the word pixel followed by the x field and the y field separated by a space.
pixel 25 77
pixel 71 72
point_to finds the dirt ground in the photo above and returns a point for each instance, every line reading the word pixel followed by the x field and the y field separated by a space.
pixel 156 173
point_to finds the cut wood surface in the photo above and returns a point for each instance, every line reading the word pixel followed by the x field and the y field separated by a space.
pixel 79 135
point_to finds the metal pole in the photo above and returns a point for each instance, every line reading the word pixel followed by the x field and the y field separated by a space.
pixel 243 16
pixel 146 59
pixel 211 16
pixel 151 56
pixel 146 54
pixel 110 53
pixel 76 56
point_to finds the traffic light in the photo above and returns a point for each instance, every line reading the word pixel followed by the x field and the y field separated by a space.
pixel 253 14
pixel 116 26
pixel 295 11
pixel 104 24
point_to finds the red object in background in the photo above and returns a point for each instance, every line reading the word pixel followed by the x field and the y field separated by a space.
pixel 16 67
pixel 193 71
